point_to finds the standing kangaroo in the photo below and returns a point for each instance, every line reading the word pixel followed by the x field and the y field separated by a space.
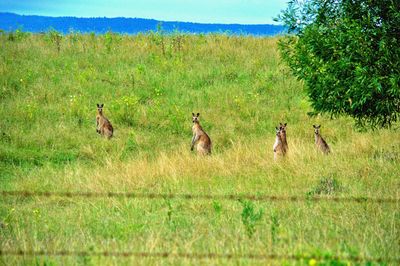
pixel 319 141
pixel 280 146
pixel 200 137
pixel 285 146
pixel 103 125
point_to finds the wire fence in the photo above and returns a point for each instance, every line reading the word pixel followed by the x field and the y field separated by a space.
pixel 195 256
pixel 134 195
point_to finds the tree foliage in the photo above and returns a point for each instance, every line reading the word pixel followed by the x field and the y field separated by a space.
pixel 348 54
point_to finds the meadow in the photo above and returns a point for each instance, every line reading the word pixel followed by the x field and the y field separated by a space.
pixel 150 84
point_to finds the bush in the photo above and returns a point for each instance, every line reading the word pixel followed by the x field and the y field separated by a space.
pixel 347 52
pixel 55 37
pixel 17 35
pixel 110 39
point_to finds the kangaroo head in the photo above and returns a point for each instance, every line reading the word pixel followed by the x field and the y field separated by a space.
pixel 195 118
pixel 100 107
pixel 316 129
pixel 282 127
pixel 278 131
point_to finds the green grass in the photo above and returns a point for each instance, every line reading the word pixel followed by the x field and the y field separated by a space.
pixel 242 90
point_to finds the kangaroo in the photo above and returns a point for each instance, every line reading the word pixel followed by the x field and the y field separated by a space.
pixel 319 141
pixel 200 137
pixel 285 146
pixel 103 125
pixel 278 145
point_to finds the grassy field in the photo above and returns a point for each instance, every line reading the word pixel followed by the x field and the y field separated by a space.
pixel 150 84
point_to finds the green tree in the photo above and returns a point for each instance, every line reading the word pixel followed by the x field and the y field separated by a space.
pixel 348 54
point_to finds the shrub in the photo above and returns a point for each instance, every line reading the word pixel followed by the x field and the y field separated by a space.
pixel 111 40
pixel 55 37
pixel 17 35
pixel 347 53
pixel 158 37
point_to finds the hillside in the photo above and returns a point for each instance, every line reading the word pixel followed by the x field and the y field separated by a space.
pixel 150 84
pixel 11 22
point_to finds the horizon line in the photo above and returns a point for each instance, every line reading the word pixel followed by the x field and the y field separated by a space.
pixel 168 21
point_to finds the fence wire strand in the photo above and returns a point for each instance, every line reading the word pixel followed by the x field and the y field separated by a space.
pixel 195 256
pixel 133 195
pixel 77 194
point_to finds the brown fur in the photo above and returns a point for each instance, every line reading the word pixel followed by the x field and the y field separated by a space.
pixel 200 137
pixel 280 146
pixel 103 125
pixel 319 141
pixel 282 130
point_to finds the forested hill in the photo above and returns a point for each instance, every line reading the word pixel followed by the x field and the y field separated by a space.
pixel 10 22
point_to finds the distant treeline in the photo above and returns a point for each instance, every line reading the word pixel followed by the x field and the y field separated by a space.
pixel 11 22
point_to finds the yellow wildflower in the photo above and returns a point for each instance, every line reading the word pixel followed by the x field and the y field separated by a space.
pixel 312 262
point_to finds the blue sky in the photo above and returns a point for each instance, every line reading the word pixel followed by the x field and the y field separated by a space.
pixel 206 11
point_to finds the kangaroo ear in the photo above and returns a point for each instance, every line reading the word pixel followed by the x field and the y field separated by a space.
pixel 192 114
pixel 285 124
pixel 198 114
pixel 314 126
pixel 102 105
pixel 98 105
